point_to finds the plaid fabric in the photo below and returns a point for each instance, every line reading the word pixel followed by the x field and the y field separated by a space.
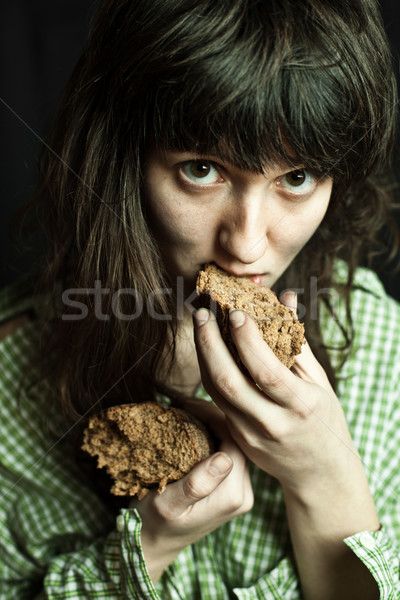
pixel 57 539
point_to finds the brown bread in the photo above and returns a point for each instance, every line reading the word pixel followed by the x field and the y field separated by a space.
pixel 143 446
pixel 223 292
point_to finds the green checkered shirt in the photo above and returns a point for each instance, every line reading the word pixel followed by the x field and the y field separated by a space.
pixel 58 540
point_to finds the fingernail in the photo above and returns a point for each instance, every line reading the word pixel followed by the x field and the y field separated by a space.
pixel 220 464
pixel 236 318
pixel 289 295
pixel 202 315
pixel 289 299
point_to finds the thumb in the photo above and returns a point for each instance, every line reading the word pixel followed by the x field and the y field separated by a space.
pixel 289 299
pixel 199 483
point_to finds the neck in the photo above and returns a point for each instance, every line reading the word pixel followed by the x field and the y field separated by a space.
pixel 184 374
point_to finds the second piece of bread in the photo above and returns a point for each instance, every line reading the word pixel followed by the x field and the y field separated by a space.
pixel 143 446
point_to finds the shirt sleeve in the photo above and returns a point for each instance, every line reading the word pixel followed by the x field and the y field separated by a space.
pixel 377 552
pixel 111 567
pixel 374 549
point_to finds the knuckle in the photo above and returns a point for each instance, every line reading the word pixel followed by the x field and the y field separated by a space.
pixel 248 503
pixel 236 503
pixel 281 431
pixel 191 489
pixel 303 410
pixel 270 380
pixel 164 511
pixel 304 406
pixel 225 384
pixel 241 503
pixel 248 439
pixel 204 340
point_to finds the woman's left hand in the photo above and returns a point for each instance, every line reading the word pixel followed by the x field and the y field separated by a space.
pixel 288 422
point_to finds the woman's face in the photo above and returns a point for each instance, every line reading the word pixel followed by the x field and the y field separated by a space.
pixel 205 210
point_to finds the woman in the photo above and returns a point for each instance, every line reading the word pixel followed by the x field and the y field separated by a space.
pixel 253 135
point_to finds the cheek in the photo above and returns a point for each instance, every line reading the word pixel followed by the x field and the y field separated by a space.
pixel 171 220
pixel 312 216
pixel 163 212
pixel 296 230
pixel 311 223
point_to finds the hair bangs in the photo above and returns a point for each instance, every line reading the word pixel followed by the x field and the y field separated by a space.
pixel 270 94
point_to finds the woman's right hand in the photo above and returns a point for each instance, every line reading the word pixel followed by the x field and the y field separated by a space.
pixel 212 493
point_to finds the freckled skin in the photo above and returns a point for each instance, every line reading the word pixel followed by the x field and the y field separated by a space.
pixel 247 223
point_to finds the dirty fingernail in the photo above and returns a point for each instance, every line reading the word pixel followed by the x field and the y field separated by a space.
pixel 220 464
pixel 236 318
pixel 202 316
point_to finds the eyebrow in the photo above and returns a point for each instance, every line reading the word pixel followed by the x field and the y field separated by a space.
pixel 291 163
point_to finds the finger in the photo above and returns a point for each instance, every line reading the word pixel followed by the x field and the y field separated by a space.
pixel 272 376
pixel 230 389
pixel 289 299
pixel 210 413
pixel 216 362
pixel 199 483
pixel 225 490
pixel 208 338
pixel 202 480
pixel 306 365
pixel 307 368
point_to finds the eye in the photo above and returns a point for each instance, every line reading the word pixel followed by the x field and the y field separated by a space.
pixel 299 181
pixel 202 172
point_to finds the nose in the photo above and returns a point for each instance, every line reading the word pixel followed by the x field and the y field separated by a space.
pixel 243 232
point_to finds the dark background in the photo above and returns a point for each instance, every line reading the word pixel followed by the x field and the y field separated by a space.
pixel 40 41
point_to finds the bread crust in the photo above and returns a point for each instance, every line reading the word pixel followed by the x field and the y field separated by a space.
pixel 279 326
pixel 144 446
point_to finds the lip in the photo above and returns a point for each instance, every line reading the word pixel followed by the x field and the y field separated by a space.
pixel 258 279
pixel 237 273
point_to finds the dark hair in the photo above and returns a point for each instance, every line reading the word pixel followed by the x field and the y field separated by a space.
pixel 252 80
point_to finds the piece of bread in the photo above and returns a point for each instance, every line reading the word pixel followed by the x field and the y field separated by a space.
pixel 143 446
pixel 280 328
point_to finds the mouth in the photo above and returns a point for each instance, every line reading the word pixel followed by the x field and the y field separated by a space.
pixel 257 278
